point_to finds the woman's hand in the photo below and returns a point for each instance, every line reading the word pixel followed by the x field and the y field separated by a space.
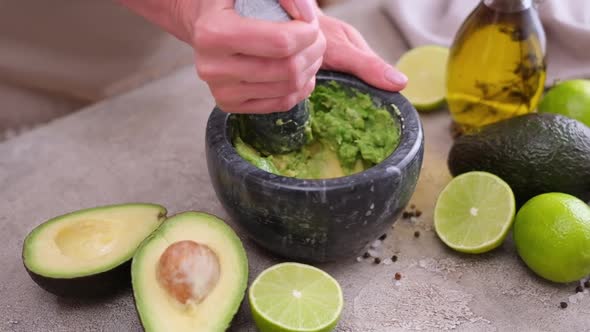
pixel 347 51
pixel 250 65
pixel 254 66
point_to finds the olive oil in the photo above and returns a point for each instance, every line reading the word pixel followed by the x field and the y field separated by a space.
pixel 496 67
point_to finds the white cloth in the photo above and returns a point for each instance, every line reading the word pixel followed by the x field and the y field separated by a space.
pixel 566 23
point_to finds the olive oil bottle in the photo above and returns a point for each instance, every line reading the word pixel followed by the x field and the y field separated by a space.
pixel 496 67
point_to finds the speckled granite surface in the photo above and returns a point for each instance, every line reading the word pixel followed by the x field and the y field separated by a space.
pixel 148 146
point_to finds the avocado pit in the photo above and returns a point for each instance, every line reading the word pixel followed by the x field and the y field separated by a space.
pixel 188 271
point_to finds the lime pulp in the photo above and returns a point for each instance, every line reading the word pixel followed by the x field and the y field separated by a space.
pixel 425 67
pixel 474 212
pixel 295 297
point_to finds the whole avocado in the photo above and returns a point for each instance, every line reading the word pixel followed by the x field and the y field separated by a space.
pixel 534 153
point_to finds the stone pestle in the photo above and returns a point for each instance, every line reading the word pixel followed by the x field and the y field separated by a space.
pixel 279 132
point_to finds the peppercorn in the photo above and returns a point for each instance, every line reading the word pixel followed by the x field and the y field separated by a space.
pixel 418 213
pixel 587 283
pixel 456 131
pixel 398 276
pixel 412 206
pixel 366 255
pixel 383 237
pixel 377 260
pixel 579 289
pixel 416 234
pixel 394 258
pixel 406 215
pixel 563 305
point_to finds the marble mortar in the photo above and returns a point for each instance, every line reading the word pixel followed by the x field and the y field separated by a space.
pixel 317 220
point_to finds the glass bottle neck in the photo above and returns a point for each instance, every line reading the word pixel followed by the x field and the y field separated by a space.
pixel 509 6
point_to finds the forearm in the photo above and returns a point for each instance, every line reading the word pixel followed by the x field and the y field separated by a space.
pixel 174 16
pixel 177 16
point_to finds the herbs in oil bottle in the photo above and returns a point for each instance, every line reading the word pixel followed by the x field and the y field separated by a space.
pixel 496 68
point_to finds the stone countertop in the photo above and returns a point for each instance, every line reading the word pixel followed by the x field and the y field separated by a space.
pixel 148 146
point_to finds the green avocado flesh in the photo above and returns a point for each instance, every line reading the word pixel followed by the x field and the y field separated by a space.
pixel 348 135
pixel 89 242
pixel 158 308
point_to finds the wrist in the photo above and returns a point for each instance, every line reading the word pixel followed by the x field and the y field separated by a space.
pixel 174 16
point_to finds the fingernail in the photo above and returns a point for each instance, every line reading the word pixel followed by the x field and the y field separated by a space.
pixel 306 9
pixel 396 77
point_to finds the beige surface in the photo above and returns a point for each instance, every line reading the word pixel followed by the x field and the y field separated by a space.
pixel 84 49
pixel 57 56
pixel 148 146
pixel 21 109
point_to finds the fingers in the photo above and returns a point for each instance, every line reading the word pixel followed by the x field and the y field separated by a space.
pixel 342 31
pixel 235 94
pixel 303 10
pixel 347 51
pixel 355 37
pixel 231 33
pixel 370 68
pixel 245 68
pixel 255 66
pixel 271 105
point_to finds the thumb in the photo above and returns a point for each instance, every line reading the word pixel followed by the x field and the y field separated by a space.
pixel 303 10
pixel 370 68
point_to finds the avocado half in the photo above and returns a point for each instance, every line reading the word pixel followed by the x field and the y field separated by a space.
pixel 189 275
pixel 88 253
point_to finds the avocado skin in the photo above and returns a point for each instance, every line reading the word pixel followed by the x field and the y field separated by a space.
pixel 92 286
pixel 533 153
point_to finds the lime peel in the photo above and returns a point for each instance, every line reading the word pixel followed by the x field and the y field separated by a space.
pixel 569 98
pixel 552 236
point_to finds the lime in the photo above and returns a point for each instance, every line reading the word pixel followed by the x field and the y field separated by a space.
pixel 426 68
pixel 295 297
pixel 569 98
pixel 474 212
pixel 552 236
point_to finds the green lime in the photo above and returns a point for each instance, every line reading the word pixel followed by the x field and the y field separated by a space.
pixel 295 297
pixel 569 98
pixel 426 68
pixel 474 212
pixel 552 236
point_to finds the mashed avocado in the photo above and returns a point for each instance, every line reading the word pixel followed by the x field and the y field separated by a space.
pixel 349 135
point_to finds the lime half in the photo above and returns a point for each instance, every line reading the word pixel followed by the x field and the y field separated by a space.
pixel 426 68
pixel 295 297
pixel 474 212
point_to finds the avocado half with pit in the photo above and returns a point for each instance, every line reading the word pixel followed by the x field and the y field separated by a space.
pixel 189 275
pixel 88 252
